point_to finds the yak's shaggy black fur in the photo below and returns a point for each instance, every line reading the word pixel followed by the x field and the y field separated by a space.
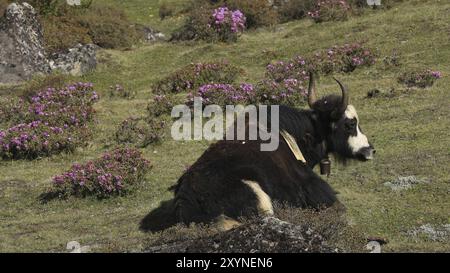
pixel 214 184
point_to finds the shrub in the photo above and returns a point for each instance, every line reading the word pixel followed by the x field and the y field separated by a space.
pixel 165 11
pixel 293 9
pixel 106 26
pixel 419 78
pixel 289 92
pixel 392 60
pixel 330 10
pixel 193 76
pixel 109 27
pixel 62 32
pixel 37 139
pixel 120 91
pixel 227 24
pixel 196 26
pixel 52 122
pixel 224 94
pixel 286 81
pixel 115 173
pixel 39 83
pixel 12 111
pixel 296 68
pixel 209 24
pixel 259 13
pixel 140 133
pixel 161 105
pixel 345 58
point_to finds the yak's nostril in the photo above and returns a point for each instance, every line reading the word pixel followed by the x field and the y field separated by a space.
pixel 374 151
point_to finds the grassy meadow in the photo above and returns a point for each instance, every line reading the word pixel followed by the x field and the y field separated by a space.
pixel 410 130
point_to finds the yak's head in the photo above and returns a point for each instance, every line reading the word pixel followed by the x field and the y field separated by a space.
pixel 341 124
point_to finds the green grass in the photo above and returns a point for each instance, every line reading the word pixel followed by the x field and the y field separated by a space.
pixel 411 132
pixel 146 12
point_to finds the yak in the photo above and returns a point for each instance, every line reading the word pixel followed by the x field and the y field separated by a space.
pixel 234 178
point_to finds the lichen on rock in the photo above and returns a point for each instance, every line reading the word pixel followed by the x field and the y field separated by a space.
pixel 22 52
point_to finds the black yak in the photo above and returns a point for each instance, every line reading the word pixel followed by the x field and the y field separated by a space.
pixel 234 178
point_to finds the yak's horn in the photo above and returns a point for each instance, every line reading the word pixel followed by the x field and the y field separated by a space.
pixel 345 96
pixel 312 97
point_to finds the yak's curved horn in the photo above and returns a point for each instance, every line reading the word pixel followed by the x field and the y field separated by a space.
pixel 312 97
pixel 345 96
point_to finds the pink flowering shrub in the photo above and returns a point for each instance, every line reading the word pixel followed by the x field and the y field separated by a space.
pixel 330 10
pixel 195 75
pixel 227 24
pixel 419 78
pixel 287 92
pixel 344 58
pixel 115 173
pixel 53 121
pixel 296 68
pixel 224 94
pixel 286 82
pixel 211 23
pixel 140 132
pixel 36 139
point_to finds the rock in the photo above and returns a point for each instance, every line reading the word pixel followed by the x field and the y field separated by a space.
pixel 438 233
pixel 404 183
pixel 374 247
pixel 265 235
pixel 151 35
pixel 75 247
pixel 22 52
pixel 73 2
pixel 75 61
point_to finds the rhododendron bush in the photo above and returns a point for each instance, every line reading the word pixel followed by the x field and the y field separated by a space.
pixel 330 10
pixel 344 58
pixel 195 75
pixel 227 24
pixel 114 173
pixel 224 94
pixel 286 81
pixel 51 122
pixel 420 78
pixel 212 23
pixel 140 132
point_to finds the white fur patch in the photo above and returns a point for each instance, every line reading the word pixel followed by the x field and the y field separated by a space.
pixel 264 202
pixel 350 112
pixel 359 141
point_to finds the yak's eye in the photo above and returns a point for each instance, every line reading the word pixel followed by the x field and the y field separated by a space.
pixel 350 125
